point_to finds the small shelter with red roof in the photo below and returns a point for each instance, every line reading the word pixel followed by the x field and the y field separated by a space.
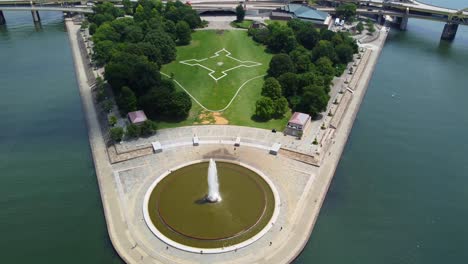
pixel 297 124
pixel 137 117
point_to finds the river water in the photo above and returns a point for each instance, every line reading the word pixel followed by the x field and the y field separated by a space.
pixel 399 194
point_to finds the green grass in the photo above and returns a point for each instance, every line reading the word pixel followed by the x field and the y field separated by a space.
pixel 216 95
pixel 244 24
pixel 281 22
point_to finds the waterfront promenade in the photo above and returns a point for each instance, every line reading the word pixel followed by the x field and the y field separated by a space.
pixel 302 186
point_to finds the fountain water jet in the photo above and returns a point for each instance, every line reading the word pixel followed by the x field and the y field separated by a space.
pixel 213 184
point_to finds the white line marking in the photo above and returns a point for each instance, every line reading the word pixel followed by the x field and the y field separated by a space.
pixel 220 110
pixel 217 54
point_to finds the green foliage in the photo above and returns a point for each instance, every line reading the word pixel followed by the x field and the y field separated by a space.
pixel 107 106
pixel 280 107
pixel 301 59
pixel 240 13
pixel 264 108
pixel 271 88
pixel 133 49
pixel 289 84
pixel 133 131
pixel 105 12
pixel 308 36
pixel 164 43
pixel 127 7
pixel 315 142
pixel 183 33
pixel 84 24
pixel 360 27
pixel 148 128
pixel 346 10
pixel 103 52
pixel 281 39
pixel 127 100
pixel 136 72
pixel 92 28
pixel 344 53
pixel 313 101
pixel 260 35
pixel 116 134
pixel 324 49
pixel 370 26
pixel 112 120
pixel 279 64
pixel 163 103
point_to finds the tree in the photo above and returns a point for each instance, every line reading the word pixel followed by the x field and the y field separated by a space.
pixel 127 7
pixel 324 49
pixel 264 108
pixel 289 83
pixel 279 64
pixel 103 51
pixel 347 10
pixel 360 27
pixel 280 107
pixel 163 103
pixel 240 13
pixel 370 27
pixel 112 120
pixel 134 71
pixel 106 32
pixel 116 134
pixel 271 88
pixel 183 33
pixel 127 100
pixel 181 105
pixel 148 128
pixel 301 59
pixel 344 53
pixel 308 37
pixel 133 131
pixel 314 100
pixel 164 42
pixel 282 39
pixel 92 28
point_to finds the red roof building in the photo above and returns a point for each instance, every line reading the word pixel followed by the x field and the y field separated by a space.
pixel 297 122
pixel 137 117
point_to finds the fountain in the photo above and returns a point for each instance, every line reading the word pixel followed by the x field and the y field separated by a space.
pixel 179 207
pixel 213 184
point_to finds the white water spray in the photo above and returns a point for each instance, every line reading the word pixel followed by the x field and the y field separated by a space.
pixel 213 184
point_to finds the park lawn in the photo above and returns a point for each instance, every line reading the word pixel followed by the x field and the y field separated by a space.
pixel 242 110
pixel 281 22
pixel 246 24
pixel 215 95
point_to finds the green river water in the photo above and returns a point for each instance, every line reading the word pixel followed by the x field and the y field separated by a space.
pixel 399 195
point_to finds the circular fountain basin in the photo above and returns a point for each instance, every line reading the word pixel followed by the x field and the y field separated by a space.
pixel 177 211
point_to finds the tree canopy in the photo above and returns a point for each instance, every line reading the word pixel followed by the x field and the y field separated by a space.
pixel 240 13
pixel 134 48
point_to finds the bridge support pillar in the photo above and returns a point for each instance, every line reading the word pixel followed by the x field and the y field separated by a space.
pixel 450 30
pixel 2 18
pixel 403 23
pixel 36 17
pixel 380 19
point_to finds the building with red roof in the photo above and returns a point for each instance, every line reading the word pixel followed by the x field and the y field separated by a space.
pixel 297 124
pixel 137 117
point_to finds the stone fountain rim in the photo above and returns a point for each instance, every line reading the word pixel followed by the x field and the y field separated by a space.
pixel 183 247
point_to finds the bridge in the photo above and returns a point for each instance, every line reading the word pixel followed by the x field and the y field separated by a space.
pixel 42 5
pixel 399 10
